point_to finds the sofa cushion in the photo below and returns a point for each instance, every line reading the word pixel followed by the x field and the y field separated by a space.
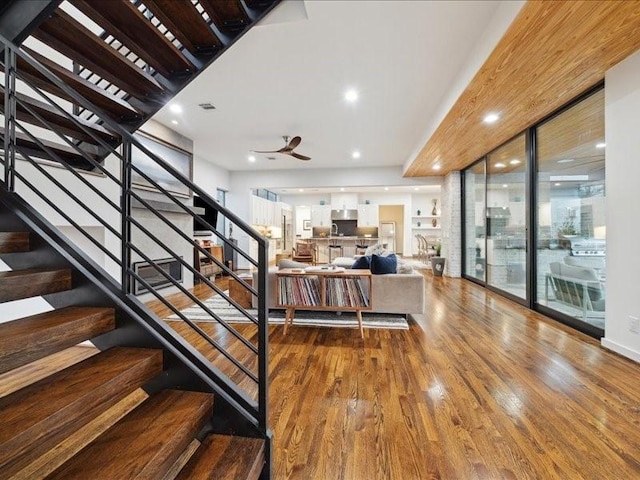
pixel 383 265
pixel 287 263
pixel 362 262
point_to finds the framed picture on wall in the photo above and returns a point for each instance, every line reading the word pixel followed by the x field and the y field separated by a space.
pixel 174 156
pixel 306 224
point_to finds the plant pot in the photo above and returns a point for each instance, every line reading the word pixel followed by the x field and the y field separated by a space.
pixel 437 265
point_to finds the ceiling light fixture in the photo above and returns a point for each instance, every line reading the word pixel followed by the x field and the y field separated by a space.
pixel 416 188
pixel 557 184
pixel 499 165
pixel 175 122
pixel 491 118
pixel 504 185
pixel 515 161
pixel 175 108
pixel 355 154
pixel 386 189
pixel 601 145
pixel 436 167
pixel 251 158
pixel 566 160
pixel 342 189
pixel 351 95
pixel 301 189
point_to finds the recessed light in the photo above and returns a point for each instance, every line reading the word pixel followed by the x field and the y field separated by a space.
pixel 499 165
pixel 386 189
pixel 557 184
pixel 504 185
pixel 436 167
pixel 514 161
pixel 566 160
pixel 601 145
pixel 416 188
pixel 175 108
pixel 175 122
pixel 342 189
pixel 351 95
pixel 301 189
pixel 251 158
pixel 355 154
pixel 491 118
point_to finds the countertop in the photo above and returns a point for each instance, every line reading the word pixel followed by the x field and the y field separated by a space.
pixel 344 237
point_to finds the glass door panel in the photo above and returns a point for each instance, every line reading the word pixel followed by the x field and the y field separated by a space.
pixel 506 218
pixel 474 211
pixel 570 230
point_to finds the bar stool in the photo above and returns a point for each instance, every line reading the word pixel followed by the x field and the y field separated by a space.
pixel 333 248
pixel 361 249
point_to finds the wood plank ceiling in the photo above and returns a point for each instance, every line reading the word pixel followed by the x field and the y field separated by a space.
pixel 552 52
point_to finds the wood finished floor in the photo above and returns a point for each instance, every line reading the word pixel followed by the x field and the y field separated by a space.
pixel 477 388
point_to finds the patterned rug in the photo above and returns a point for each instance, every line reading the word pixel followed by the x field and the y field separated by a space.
pixel 302 318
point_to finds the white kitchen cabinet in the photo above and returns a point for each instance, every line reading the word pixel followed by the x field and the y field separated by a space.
pixel 344 201
pixel 265 212
pixel 321 215
pixel 368 215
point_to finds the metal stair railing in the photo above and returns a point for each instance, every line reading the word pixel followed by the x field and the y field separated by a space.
pixel 104 198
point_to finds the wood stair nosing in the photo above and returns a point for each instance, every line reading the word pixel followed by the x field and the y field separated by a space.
pixel 125 22
pixel 228 16
pixel 65 152
pixel 67 36
pixel 30 338
pixel 223 457
pixel 36 418
pixel 19 284
pixel 185 22
pixel 14 242
pixel 116 107
pixel 62 123
pixel 147 442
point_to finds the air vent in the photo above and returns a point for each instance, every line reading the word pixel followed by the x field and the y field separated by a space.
pixel 207 106
pixel 271 158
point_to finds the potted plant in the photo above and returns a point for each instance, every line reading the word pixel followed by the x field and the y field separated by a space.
pixel 437 262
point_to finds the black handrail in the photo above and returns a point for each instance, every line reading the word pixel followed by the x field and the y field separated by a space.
pixel 257 412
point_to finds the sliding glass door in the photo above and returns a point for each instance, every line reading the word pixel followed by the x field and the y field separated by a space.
pixel 474 221
pixel 506 218
pixel 571 228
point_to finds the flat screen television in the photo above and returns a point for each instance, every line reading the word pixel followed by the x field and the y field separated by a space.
pixel 210 216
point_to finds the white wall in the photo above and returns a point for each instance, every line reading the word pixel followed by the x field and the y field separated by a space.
pixel 622 117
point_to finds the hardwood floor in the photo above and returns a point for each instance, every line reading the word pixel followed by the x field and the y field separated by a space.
pixel 477 388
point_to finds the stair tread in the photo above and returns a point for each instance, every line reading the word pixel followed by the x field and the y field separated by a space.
pixel 37 417
pixel 226 457
pixel 73 40
pixel 30 338
pixel 228 16
pixel 18 284
pixel 14 242
pixel 64 124
pixel 186 23
pixel 146 442
pixel 117 107
pixel 125 22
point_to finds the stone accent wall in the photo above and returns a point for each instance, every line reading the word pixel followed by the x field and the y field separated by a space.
pixel 451 202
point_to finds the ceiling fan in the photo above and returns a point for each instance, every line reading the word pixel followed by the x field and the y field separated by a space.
pixel 288 148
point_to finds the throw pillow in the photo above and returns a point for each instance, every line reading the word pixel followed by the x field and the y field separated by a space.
pixel 376 249
pixel 404 268
pixel 286 263
pixel 382 265
pixel 362 262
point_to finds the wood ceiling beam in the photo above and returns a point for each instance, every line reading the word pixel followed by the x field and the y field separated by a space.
pixel 552 52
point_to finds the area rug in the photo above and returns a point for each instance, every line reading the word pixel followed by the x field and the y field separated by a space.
pixel 416 264
pixel 230 314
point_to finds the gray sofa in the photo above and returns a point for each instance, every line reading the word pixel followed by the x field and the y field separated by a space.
pixel 402 293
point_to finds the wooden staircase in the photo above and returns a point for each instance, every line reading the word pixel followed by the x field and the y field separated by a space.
pixel 154 440
pixel 88 74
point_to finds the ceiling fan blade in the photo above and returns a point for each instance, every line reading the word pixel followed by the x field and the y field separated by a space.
pixel 299 157
pixel 295 141
pixel 267 151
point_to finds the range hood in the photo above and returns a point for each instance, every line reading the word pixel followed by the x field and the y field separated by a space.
pixel 344 214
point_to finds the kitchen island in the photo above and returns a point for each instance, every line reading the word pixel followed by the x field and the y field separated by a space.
pixel 349 246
